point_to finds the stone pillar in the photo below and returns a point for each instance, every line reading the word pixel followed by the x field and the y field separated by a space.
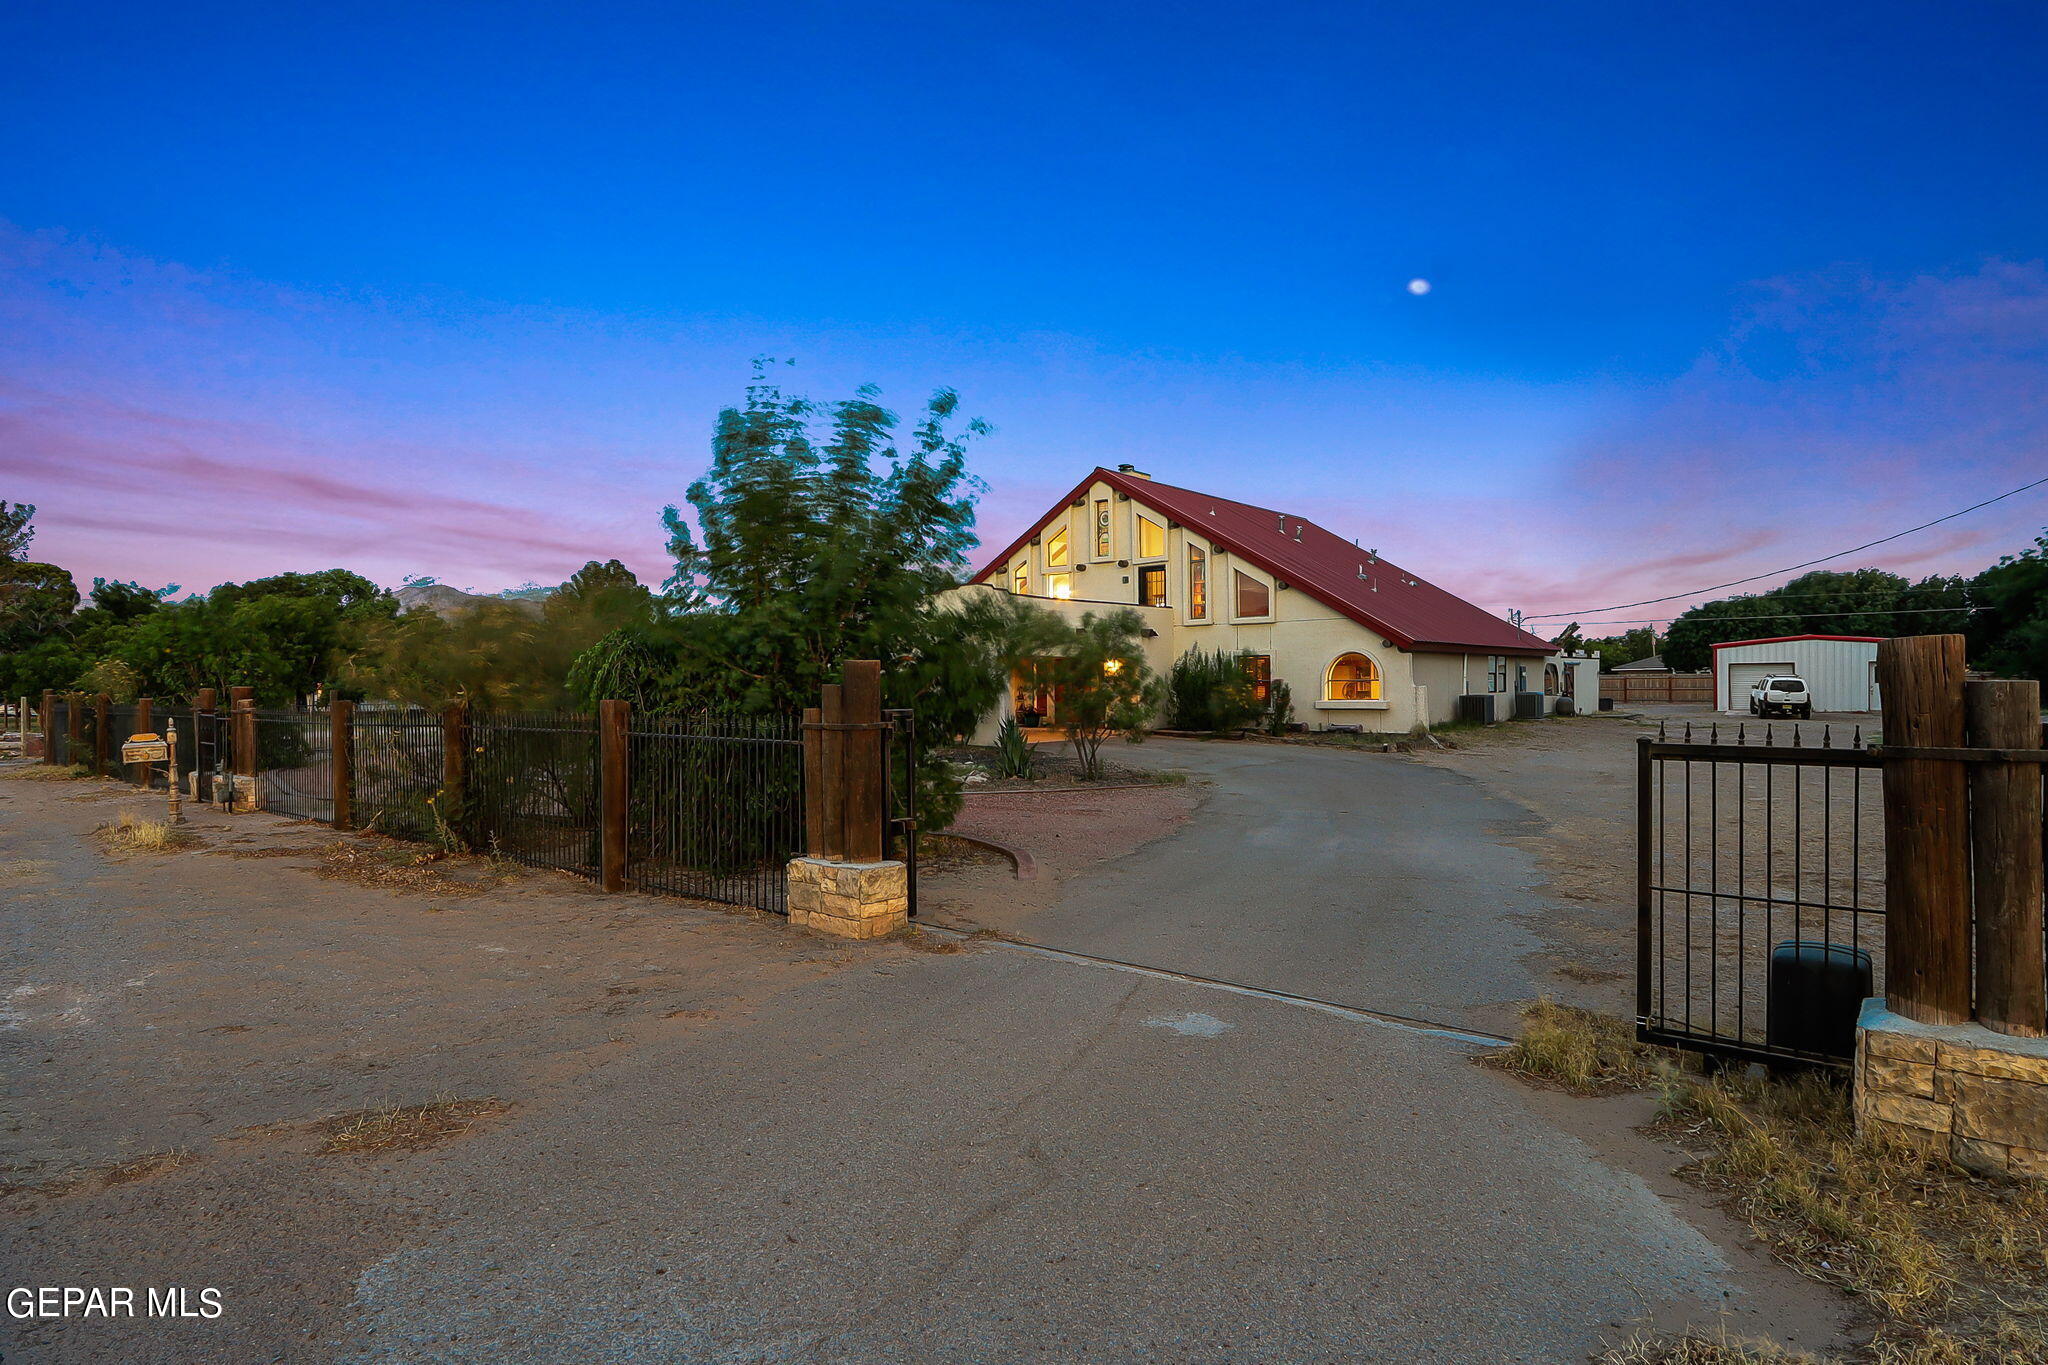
pixel 848 900
pixel 1960 1090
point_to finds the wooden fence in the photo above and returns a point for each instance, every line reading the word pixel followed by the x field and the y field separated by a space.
pixel 1693 689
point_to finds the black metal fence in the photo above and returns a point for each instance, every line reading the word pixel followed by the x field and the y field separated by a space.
pixel 717 805
pixel 400 758
pixel 529 791
pixel 1760 880
pixel 294 768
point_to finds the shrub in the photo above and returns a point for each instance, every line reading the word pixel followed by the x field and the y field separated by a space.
pixel 1279 708
pixel 1212 691
pixel 1013 750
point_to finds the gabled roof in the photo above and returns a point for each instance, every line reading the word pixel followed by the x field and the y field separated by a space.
pixel 1411 613
pixel 1654 664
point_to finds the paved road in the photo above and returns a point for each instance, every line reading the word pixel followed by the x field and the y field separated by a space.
pixel 1360 878
pixel 872 1154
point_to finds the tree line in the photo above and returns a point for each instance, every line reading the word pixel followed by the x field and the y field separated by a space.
pixel 2002 612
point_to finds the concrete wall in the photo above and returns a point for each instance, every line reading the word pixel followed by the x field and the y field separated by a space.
pixel 1839 673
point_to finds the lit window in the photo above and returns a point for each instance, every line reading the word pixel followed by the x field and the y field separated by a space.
pixel 1060 585
pixel 1056 548
pixel 1253 597
pixel 1112 666
pixel 1102 528
pixel 1353 677
pixel 1259 668
pixel 1152 585
pixel 1020 577
pixel 1198 585
pixel 1151 538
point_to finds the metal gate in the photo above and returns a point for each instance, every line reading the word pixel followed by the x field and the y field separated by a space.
pixel 1749 838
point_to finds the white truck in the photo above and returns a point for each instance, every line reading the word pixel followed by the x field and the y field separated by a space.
pixel 1780 694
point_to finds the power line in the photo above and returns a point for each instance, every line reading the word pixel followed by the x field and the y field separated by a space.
pixel 1737 582
pixel 1790 615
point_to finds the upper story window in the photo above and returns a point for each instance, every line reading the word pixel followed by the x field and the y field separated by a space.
pixel 1352 677
pixel 1102 528
pixel 1198 584
pixel 1151 538
pixel 1253 597
pixel 1056 549
pixel 1152 585
pixel 1020 577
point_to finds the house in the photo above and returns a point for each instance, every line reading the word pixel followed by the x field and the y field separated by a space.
pixel 1361 642
pixel 1840 670
pixel 1654 664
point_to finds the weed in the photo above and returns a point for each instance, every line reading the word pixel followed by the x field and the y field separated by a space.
pixel 45 772
pixel 132 834
pixel 406 1128
pixel 1695 1349
pixel 1580 1051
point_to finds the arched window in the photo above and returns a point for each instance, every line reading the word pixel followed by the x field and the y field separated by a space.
pixel 1550 679
pixel 1353 677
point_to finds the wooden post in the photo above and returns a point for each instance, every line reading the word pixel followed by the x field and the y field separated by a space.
pixel 244 742
pixel 100 702
pixel 832 801
pixel 2005 858
pixel 814 783
pixel 138 773
pixel 861 686
pixel 74 727
pixel 454 794
pixel 49 726
pixel 1926 831
pixel 612 790
pixel 341 753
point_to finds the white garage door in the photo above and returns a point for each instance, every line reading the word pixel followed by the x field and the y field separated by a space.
pixel 1742 677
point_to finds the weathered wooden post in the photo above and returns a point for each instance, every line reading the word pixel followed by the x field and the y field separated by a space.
pixel 138 773
pixel 861 688
pixel 814 782
pixel 341 759
pixel 49 725
pixel 74 727
pixel 844 886
pixel 832 803
pixel 244 721
pixel 100 743
pixel 2005 857
pixel 1926 829
pixel 613 790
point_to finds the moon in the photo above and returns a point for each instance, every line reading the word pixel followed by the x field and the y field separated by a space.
pixel 1418 287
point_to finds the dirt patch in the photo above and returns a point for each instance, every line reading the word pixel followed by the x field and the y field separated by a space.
pixel 390 865
pixel 406 1128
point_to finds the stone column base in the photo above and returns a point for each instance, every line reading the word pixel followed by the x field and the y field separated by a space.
pixel 849 900
pixel 1979 1097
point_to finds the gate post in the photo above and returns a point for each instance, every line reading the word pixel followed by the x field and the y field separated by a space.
pixel 100 702
pixel 341 764
pixel 243 789
pixel 138 773
pixel 49 725
pixel 1926 853
pixel 2005 858
pixel 613 791
pixel 845 887
pixel 74 726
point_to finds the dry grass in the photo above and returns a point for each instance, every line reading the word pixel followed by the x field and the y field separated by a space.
pixel 918 939
pixel 1580 1051
pixel 393 866
pixel 406 1128
pixel 143 1167
pixel 44 772
pixel 1695 1349
pixel 132 834
pixel 23 869
pixel 1955 1265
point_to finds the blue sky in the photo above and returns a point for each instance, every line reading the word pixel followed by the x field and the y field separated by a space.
pixel 460 288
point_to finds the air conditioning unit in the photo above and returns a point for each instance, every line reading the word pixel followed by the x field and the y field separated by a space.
pixel 1528 706
pixel 1476 706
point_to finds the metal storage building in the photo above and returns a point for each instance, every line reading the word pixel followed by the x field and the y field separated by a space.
pixel 1840 670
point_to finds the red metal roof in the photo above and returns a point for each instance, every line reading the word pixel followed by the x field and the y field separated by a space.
pixel 1402 607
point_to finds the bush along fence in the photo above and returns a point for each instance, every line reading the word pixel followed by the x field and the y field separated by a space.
pixel 706 805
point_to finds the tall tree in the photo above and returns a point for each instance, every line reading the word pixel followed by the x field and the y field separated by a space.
pixel 15 530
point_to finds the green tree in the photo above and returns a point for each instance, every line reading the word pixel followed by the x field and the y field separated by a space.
pixel 15 529
pixel 2008 631
pixel 1106 685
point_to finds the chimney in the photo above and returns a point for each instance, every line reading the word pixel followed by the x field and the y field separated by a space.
pixel 1133 471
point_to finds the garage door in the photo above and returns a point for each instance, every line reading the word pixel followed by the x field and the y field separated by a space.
pixel 1742 677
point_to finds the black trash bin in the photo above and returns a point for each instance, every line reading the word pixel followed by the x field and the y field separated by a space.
pixel 1816 992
